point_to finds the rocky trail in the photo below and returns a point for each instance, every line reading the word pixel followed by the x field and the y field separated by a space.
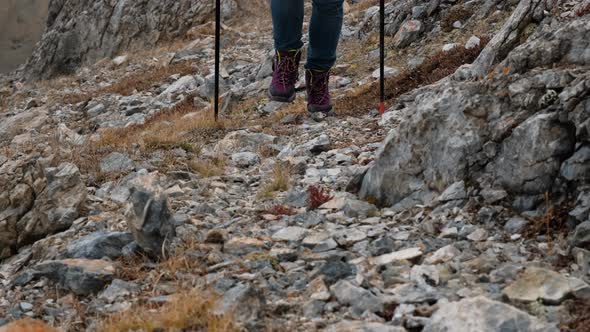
pixel 465 207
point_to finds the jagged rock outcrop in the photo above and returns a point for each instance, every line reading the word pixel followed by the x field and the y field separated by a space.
pixel 84 31
pixel 151 221
pixel 37 202
pixel 524 132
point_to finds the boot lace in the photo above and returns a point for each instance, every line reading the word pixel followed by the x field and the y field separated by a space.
pixel 319 86
pixel 285 67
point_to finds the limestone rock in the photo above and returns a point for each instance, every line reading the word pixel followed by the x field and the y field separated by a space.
pixel 408 33
pixel 358 298
pixel 483 315
pixel 244 301
pixel 359 326
pixel 546 285
pixel 83 31
pixel 99 245
pixel 150 221
pixel 581 236
pixel 37 202
pixel 81 276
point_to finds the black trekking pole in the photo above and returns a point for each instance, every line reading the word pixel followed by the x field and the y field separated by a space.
pixel 382 57
pixel 217 55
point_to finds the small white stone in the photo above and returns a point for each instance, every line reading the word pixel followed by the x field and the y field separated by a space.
pixel 389 72
pixel 448 47
pixel 406 254
pixel 120 60
pixel 473 42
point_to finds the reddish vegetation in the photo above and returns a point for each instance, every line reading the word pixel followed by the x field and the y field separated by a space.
pixel 436 67
pixel 27 325
pixel 317 197
pixel 280 210
pixel 580 311
pixel 583 9
pixel 458 13
pixel 553 222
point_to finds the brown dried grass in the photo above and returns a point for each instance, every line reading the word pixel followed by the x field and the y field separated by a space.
pixel 456 13
pixel 553 223
pixel 435 68
pixel 141 81
pixel 188 310
pixel 280 181
pixel 580 311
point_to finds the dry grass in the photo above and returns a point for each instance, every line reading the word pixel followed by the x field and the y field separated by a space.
pixel 553 223
pixel 363 5
pixel 457 13
pixel 27 325
pixel 280 181
pixel 142 81
pixel 209 168
pixel 189 310
pixel 436 67
pixel 168 268
pixel 583 9
pixel 168 128
pixel 580 311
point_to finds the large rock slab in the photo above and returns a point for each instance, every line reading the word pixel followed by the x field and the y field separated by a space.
pixel 84 31
pixel 545 285
pixel 37 202
pixel 483 315
pixel 359 326
pixel 99 245
pixel 358 298
pixel 509 132
pixel 531 157
pixel 80 276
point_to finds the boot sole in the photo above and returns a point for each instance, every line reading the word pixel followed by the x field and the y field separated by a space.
pixel 281 98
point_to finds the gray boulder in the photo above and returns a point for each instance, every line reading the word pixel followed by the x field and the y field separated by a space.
pixel 80 276
pixel 99 245
pixel 577 167
pixel 150 221
pixel 508 134
pixel 581 236
pixel 116 162
pixel 408 33
pixel 37 202
pixel 83 31
pixel 358 298
pixel 483 315
pixel 530 158
pixel 244 301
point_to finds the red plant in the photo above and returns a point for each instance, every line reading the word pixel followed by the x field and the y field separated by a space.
pixel 317 197
pixel 583 9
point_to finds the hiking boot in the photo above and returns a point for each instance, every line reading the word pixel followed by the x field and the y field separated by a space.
pixel 285 76
pixel 318 92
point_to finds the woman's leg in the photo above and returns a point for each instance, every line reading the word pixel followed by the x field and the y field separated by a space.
pixel 324 33
pixel 287 22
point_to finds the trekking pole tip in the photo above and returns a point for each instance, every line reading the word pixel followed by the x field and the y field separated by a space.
pixel 381 108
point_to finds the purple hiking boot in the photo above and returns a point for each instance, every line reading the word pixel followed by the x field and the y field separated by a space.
pixel 285 76
pixel 318 92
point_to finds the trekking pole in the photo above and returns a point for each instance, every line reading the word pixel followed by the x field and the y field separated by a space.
pixel 217 55
pixel 382 57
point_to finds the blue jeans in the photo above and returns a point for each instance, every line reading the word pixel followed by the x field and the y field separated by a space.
pixel 324 29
